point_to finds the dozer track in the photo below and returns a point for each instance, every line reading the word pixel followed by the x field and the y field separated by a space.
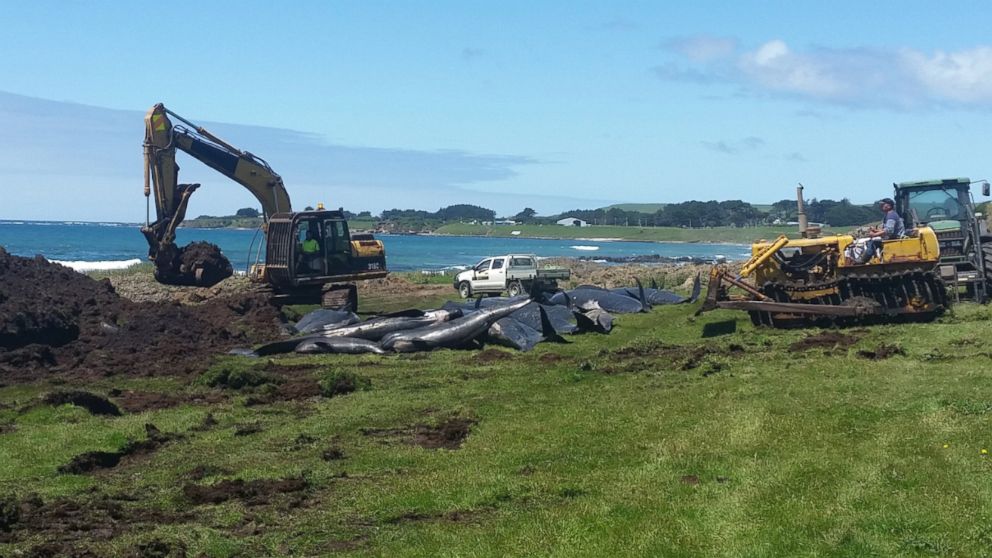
pixel 880 297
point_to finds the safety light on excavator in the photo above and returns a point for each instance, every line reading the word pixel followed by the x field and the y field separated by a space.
pixel 320 206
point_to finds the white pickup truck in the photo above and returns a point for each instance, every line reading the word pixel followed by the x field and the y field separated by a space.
pixel 514 273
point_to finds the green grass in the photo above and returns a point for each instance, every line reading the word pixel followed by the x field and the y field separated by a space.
pixel 644 234
pixel 680 446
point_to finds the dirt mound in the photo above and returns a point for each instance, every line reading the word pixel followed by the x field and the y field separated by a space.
pixel 254 493
pixel 92 460
pixel 44 303
pixel 824 340
pixel 199 264
pixel 95 404
pixel 55 320
pixel 207 261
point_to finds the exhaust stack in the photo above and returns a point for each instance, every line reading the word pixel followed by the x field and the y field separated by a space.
pixel 803 223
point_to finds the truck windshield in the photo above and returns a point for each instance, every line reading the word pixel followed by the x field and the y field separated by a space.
pixel 936 205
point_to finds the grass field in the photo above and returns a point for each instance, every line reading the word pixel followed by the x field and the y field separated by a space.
pixel 652 441
pixel 644 234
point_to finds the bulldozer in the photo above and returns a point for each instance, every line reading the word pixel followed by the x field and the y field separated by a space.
pixel 309 256
pixel 816 280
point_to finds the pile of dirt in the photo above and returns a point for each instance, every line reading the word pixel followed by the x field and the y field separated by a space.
pixel 207 260
pixel 55 320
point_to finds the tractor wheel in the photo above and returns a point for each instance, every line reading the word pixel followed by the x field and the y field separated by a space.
pixel 464 289
pixel 987 264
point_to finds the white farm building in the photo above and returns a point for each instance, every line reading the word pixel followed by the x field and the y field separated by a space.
pixel 572 222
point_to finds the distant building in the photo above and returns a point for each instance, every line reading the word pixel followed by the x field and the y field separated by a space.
pixel 572 222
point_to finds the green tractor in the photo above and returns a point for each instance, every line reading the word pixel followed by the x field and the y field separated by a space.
pixel 948 208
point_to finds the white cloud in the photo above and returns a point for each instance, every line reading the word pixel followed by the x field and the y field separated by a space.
pixel 964 76
pixel 901 79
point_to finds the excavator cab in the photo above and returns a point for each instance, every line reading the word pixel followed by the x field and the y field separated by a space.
pixel 309 250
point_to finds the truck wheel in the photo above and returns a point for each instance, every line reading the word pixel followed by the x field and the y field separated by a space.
pixel 516 289
pixel 464 289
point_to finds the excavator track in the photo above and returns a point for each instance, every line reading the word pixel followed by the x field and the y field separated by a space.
pixel 893 296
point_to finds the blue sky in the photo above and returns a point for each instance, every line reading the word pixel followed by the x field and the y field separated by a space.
pixel 552 105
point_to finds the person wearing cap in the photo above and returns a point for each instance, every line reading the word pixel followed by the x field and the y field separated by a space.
pixel 892 227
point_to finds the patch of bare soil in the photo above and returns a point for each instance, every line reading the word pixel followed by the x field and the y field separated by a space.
pixel 454 516
pixel 881 352
pixel 253 493
pixel 95 404
pixel 55 321
pixel 827 340
pixel 655 356
pixel 92 460
pixel 141 401
pixel 489 356
pixel 550 358
pixel 67 524
pixel 201 472
pixel 158 548
pixel 448 433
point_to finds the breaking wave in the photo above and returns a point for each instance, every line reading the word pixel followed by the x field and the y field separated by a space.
pixel 84 266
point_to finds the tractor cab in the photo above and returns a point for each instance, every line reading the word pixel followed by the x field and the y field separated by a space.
pixel 948 208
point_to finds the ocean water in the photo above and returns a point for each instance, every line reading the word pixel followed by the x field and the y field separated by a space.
pixel 109 245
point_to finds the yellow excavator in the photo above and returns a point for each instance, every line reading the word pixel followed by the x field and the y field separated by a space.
pixel 310 256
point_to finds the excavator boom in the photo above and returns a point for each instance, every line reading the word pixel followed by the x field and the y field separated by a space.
pixel 162 139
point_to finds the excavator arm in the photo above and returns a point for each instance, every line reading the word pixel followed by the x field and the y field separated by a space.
pixel 171 198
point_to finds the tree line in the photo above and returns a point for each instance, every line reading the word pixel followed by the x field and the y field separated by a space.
pixel 689 214
pixel 734 213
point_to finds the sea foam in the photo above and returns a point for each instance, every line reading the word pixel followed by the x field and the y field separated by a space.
pixel 84 266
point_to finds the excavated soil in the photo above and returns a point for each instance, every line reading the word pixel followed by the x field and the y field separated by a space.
pixel 55 321
pixel 881 352
pixel 659 356
pixel 253 493
pixel 824 340
pixel 449 433
pixel 93 460
pixel 95 404
pixel 64 524
pixel 489 356
pixel 208 257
